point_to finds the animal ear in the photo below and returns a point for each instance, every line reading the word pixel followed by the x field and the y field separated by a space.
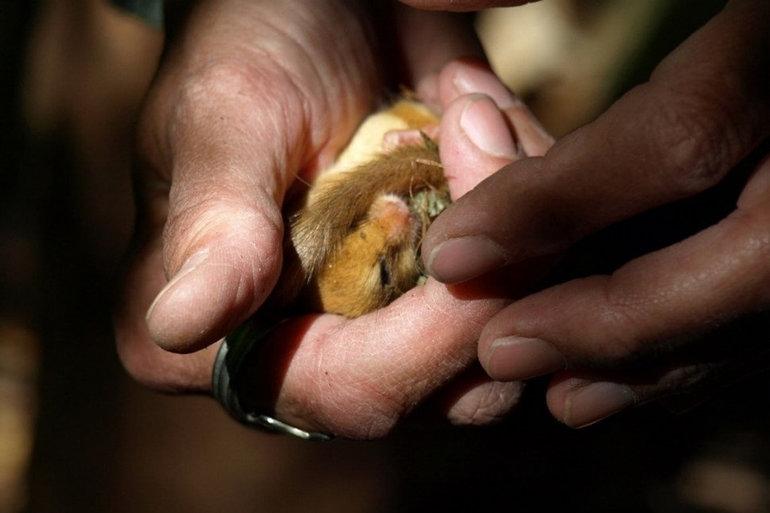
pixel 393 215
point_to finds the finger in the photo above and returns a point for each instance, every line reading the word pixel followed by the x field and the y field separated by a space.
pixel 580 400
pixel 703 110
pixel 477 139
pixel 473 399
pixel 470 76
pixel 469 399
pixel 648 306
pixel 357 378
pixel 222 238
pixel 475 142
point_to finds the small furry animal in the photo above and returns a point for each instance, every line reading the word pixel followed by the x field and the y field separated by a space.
pixel 352 242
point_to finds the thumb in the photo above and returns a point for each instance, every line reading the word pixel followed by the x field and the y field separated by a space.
pixel 484 127
pixel 477 139
pixel 223 257
pixel 221 243
pixel 475 142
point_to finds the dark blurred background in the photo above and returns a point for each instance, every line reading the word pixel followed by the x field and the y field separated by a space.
pixel 77 435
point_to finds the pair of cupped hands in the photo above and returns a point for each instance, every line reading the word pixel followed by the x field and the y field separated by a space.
pixel 253 96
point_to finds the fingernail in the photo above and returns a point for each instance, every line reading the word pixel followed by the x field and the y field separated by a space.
pixel 516 358
pixel 597 401
pixel 190 264
pixel 486 128
pixel 461 259
pixel 478 80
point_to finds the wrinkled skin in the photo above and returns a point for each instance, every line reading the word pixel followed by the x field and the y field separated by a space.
pixel 704 112
pixel 251 94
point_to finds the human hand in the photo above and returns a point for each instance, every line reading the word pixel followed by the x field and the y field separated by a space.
pixel 638 334
pixel 251 94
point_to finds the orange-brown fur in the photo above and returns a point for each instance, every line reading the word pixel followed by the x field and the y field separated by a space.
pixel 375 263
pixel 352 247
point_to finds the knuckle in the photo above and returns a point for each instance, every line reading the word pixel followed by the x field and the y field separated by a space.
pixel 751 245
pixel 687 376
pixel 195 215
pixel 227 104
pixel 621 345
pixel 221 79
pixel 228 85
pixel 754 233
pixel 485 405
pixel 688 383
pixel 698 141
pixel 619 328
pixel 177 106
pixel 219 217
pixel 195 114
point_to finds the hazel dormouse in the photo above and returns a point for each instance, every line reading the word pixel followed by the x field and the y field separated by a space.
pixel 352 241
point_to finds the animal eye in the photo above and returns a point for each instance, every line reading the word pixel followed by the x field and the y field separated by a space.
pixel 384 273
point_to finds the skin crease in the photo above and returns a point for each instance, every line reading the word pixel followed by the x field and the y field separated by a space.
pixel 240 106
pixel 705 109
